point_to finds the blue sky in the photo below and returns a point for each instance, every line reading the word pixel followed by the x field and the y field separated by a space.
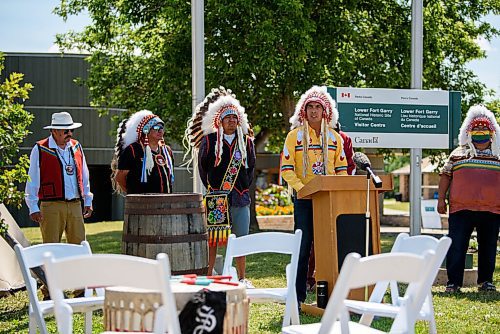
pixel 30 26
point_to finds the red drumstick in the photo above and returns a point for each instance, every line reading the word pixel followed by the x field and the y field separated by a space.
pixel 226 282
pixel 219 277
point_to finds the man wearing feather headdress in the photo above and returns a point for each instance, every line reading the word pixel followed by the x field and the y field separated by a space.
pixel 143 163
pixel 312 147
pixel 221 139
pixel 472 176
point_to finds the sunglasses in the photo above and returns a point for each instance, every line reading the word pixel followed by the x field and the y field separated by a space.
pixel 68 131
pixel 158 127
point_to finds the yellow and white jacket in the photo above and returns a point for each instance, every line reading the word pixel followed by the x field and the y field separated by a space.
pixel 292 169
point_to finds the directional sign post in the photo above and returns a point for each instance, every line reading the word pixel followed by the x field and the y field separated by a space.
pixel 398 118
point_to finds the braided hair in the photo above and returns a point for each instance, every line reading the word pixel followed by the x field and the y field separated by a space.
pixel 119 148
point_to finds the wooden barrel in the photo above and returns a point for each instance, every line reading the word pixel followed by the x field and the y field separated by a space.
pixel 167 223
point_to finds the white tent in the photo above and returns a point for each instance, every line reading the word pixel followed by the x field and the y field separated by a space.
pixel 10 273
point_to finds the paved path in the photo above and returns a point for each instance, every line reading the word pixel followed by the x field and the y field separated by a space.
pixel 405 229
pixel 285 223
pixel 395 212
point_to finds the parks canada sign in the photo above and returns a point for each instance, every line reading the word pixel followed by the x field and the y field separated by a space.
pixel 398 118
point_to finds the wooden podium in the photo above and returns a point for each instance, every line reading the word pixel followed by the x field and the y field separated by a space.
pixel 339 206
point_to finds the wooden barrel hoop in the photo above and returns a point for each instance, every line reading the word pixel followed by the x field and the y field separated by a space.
pixel 167 223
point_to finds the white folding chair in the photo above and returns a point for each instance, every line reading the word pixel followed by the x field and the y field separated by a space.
pixel 358 272
pixel 111 270
pixel 404 244
pixel 269 242
pixel 31 257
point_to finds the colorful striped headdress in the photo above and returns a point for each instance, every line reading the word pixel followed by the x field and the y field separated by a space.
pixel 479 115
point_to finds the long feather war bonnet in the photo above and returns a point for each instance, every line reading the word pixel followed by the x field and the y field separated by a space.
pixel 207 119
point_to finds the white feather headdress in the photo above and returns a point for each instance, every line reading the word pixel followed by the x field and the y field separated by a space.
pixel 131 130
pixel 480 114
pixel 221 107
pixel 315 94
pixel 207 119
pixel 330 117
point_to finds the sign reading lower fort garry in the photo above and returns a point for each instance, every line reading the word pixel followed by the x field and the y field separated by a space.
pixel 396 118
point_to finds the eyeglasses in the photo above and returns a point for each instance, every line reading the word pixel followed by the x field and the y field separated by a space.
pixel 68 131
pixel 157 127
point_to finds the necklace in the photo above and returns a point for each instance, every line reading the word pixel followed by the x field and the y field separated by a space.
pixel 69 169
pixel 159 159
pixel 318 167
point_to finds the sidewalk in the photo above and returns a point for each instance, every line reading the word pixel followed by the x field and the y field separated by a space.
pixel 406 229
pixel 395 212
pixel 390 214
pixel 397 221
pixel 285 223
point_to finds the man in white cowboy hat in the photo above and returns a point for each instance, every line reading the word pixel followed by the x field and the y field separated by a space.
pixel 59 180
pixel 312 147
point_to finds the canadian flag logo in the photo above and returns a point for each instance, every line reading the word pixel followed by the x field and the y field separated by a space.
pixel 348 95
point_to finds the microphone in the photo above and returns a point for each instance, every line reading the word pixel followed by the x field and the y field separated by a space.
pixel 363 163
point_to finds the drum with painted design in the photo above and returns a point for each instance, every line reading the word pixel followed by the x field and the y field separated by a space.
pixel 237 306
pixel 130 310
pixel 127 309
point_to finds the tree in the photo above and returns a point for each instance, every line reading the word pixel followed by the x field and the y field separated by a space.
pixel 494 106
pixel 14 123
pixel 268 52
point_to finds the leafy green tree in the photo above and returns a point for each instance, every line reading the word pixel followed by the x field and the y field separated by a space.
pixel 268 52
pixel 494 106
pixel 14 123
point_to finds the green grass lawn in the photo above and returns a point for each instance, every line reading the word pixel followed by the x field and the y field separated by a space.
pixel 467 312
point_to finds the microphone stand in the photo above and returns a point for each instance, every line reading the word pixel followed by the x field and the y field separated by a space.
pixel 367 223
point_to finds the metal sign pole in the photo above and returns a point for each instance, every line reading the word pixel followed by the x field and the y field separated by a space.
pixel 416 83
pixel 198 70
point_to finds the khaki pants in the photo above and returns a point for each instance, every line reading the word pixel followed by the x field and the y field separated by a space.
pixel 59 217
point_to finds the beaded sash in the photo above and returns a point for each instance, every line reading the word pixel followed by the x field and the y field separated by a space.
pixel 217 204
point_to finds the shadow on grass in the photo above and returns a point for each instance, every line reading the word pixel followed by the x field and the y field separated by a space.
pixel 21 328
pixel 471 294
pixel 16 317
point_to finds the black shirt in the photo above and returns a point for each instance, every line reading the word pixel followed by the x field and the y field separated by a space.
pixel 159 181
pixel 212 175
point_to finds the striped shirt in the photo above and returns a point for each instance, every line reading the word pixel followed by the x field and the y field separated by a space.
pixel 474 181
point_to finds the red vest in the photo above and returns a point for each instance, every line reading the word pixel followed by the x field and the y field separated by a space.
pixel 51 171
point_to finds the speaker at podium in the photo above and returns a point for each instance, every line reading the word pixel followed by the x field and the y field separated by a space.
pixel 340 217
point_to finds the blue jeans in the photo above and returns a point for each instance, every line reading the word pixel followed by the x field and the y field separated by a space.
pixel 461 225
pixel 303 220
pixel 240 220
